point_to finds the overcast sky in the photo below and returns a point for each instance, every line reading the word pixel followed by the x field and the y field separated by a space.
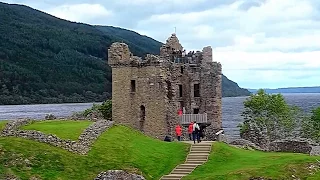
pixel 260 43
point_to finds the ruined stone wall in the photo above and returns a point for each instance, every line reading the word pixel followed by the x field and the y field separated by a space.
pixel 211 95
pixel 150 93
pixel 82 146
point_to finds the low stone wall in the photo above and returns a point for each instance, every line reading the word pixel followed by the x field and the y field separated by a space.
pixel 117 175
pixel 82 146
pixel 291 145
pixel 245 144
pixel 297 145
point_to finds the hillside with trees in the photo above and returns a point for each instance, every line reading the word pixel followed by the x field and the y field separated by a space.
pixel 44 59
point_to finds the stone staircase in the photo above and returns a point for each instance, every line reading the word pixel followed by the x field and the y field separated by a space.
pixel 197 156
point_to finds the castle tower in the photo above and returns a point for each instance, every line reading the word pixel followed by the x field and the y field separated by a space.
pixel 146 94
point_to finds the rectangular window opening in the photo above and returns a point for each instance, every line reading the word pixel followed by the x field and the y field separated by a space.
pixel 181 69
pixel 181 104
pixel 196 111
pixel 133 85
pixel 180 90
pixel 196 90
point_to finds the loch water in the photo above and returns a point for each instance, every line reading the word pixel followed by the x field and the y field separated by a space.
pixel 231 110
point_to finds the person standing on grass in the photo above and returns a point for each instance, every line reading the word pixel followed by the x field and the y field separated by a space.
pixel 195 132
pixel 190 130
pixel 178 132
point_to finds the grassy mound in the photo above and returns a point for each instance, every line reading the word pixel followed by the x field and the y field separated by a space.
pixel 61 128
pixel 2 124
pixel 118 148
pixel 226 162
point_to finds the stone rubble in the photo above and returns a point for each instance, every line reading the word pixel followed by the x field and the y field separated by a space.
pixel 118 175
pixel 245 144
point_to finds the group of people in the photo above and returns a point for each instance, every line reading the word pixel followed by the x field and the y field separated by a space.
pixel 194 130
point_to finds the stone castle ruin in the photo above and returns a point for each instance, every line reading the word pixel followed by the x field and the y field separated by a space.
pixel 148 93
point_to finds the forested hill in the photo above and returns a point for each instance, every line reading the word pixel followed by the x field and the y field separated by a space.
pixel 44 59
pixel 231 89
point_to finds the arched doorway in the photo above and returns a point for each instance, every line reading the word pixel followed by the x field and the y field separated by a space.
pixel 142 117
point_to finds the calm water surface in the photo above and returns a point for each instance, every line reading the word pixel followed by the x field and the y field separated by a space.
pixel 231 110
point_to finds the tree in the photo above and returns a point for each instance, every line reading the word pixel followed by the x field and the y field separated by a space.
pixel 269 114
pixel 310 127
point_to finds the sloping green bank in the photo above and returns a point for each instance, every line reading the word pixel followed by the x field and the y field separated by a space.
pixel 118 148
pixel 226 162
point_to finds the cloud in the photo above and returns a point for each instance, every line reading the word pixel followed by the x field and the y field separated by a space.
pixel 270 69
pixel 260 43
pixel 80 12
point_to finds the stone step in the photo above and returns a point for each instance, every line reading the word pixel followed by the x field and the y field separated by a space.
pixel 179 176
pixel 197 158
pixel 192 147
pixel 198 162
pixel 185 165
pixel 202 144
pixel 180 172
pixel 198 155
pixel 201 147
pixel 204 151
pixel 184 169
pixel 170 178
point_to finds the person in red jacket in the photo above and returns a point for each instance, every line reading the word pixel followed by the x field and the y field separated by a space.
pixel 190 130
pixel 180 112
pixel 178 132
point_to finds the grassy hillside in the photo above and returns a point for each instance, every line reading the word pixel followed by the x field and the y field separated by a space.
pixel 123 148
pixel 44 59
pixel 118 148
pixel 228 162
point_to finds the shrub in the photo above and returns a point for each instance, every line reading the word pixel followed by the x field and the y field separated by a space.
pixel 105 109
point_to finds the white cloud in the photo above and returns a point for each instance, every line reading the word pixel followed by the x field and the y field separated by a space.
pixel 260 43
pixel 80 12
pixel 272 45
pixel 274 69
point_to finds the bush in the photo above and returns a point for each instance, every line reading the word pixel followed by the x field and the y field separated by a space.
pixel 105 109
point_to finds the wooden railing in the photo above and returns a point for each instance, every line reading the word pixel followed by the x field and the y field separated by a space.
pixel 187 118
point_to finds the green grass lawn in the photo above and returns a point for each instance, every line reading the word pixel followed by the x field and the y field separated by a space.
pixel 226 162
pixel 61 128
pixel 118 148
pixel 2 124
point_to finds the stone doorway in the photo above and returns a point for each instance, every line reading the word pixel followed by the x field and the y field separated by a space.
pixel 142 117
